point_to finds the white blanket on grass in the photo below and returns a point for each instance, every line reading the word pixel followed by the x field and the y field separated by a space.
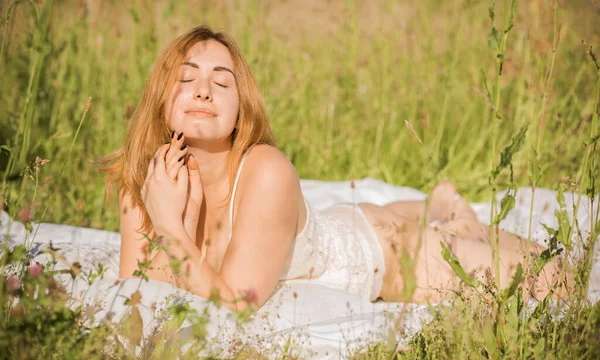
pixel 318 322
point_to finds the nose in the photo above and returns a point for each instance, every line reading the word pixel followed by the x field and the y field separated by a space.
pixel 203 92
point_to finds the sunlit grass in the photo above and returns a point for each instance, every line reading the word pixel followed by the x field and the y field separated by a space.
pixel 339 80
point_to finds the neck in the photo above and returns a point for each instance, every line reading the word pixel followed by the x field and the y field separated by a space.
pixel 212 162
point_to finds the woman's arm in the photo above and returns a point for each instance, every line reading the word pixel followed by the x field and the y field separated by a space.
pixel 195 275
pixel 265 224
pixel 164 196
pixel 262 236
pixel 134 245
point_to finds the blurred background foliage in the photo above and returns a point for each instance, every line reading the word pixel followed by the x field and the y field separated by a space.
pixel 339 79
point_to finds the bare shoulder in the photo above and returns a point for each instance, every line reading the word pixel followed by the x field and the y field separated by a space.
pixel 270 164
pixel 268 171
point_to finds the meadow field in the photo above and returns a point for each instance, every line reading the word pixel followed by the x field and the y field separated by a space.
pixel 488 94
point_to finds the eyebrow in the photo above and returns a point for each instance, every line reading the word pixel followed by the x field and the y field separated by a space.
pixel 216 68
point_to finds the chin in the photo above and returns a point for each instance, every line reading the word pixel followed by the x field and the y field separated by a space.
pixel 199 136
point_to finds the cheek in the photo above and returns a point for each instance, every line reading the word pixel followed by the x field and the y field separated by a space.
pixel 169 114
pixel 234 106
pixel 172 105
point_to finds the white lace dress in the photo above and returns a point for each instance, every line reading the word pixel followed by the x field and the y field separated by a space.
pixel 336 248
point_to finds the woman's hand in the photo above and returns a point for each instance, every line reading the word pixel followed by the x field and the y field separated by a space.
pixel 195 193
pixel 165 190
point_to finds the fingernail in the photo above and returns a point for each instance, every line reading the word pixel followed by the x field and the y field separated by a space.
pixel 180 135
pixel 181 158
pixel 172 134
pixel 183 147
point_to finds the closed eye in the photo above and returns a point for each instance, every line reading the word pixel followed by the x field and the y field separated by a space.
pixel 190 80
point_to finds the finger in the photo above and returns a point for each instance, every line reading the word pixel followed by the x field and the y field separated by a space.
pixel 159 153
pixel 177 142
pixel 182 178
pixel 150 170
pixel 175 156
pixel 195 179
pixel 179 139
pixel 150 167
pixel 173 168
pixel 159 162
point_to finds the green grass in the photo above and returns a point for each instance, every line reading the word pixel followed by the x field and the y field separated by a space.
pixel 339 80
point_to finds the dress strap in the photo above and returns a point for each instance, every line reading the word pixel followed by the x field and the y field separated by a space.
pixel 237 178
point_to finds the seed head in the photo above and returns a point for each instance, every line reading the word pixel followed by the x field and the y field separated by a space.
pixel 87 105
pixel 41 162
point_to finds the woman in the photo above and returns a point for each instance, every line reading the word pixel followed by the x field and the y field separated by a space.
pixel 229 208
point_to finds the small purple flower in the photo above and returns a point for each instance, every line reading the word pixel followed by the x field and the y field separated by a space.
pixel 12 284
pixel 250 296
pixel 25 214
pixel 35 269
pixel 18 311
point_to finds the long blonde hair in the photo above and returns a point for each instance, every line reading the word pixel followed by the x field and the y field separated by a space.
pixel 147 129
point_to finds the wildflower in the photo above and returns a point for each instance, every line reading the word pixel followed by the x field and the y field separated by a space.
pixel 80 205
pixel 35 269
pixel 17 311
pixel 76 268
pixel 136 297
pixel 25 214
pixel 41 162
pixel 12 284
pixel 250 296
pixel 568 182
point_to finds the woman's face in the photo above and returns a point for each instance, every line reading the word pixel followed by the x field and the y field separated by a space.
pixel 204 102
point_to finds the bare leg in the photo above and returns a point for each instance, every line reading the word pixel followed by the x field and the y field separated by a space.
pixel 474 231
pixel 430 277
pixel 416 270
pixel 445 205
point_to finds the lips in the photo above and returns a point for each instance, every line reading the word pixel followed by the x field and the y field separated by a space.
pixel 201 112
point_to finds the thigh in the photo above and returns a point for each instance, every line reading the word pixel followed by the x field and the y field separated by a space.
pixel 415 268
pixel 406 277
pixel 475 231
